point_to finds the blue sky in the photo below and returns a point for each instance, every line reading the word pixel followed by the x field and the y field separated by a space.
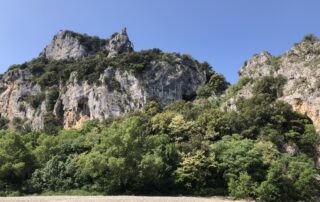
pixel 223 32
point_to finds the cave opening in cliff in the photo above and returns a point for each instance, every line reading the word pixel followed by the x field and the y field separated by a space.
pixel 83 107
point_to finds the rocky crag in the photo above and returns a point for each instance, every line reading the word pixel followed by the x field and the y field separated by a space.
pixel 68 44
pixel 300 66
pixel 78 78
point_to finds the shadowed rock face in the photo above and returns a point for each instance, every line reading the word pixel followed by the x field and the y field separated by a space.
pixel 118 91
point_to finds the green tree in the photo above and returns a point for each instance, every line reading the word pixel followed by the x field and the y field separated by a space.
pixel 215 86
pixel 239 161
pixel 216 123
pixel 126 160
pixel 243 186
pixel 270 85
pixel 58 174
pixel 310 38
pixel 289 179
pixel 196 172
pixel 16 161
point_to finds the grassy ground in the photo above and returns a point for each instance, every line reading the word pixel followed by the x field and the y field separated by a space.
pixel 112 199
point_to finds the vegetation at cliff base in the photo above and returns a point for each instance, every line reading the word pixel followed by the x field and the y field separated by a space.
pixel 263 150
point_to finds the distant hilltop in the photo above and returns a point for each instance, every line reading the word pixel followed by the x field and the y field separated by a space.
pixel 68 44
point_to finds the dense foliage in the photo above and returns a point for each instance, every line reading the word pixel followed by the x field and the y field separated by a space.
pixel 192 148
pixel 216 85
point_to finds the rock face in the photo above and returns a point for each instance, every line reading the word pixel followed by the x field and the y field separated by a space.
pixel 120 43
pixel 301 67
pixel 14 89
pixel 65 45
pixel 118 91
pixel 123 92
pixel 71 45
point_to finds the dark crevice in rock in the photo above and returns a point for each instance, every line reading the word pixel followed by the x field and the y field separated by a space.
pixel 83 107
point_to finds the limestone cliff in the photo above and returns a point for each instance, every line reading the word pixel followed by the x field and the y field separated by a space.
pixel 78 78
pixel 301 68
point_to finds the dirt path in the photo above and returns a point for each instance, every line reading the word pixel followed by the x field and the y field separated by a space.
pixel 112 199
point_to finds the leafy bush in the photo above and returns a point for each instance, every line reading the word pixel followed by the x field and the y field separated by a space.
pixel 16 161
pixel 289 179
pixel 51 98
pixel 215 86
pixel 310 38
pixel 269 85
pixel 17 123
pixel 52 124
pixel 243 186
pixel 3 123
pixel 195 172
pixel 36 100
pixel 57 175
pixel 232 90
pixel 37 66
pixel 206 67
pixel 236 155
pixel 275 62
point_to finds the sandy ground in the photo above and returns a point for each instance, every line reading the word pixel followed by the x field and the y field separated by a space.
pixel 112 199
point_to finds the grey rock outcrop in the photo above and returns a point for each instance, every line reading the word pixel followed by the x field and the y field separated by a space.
pixel 120 93
pixel 119 43
pixel 65 45
pixel 259 61
pixel 15 88
pixel 71 45
pixel 123 92
pixel 301 67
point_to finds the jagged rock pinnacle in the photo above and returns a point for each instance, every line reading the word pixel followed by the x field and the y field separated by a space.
pixel 119 43
pixel 71 45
